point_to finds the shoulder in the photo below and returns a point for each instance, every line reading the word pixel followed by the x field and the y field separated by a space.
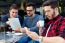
pixel 40 17
pixel 26 17
pixel 5 17
pixel 62 20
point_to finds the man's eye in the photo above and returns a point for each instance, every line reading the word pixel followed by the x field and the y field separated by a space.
pixel 13 12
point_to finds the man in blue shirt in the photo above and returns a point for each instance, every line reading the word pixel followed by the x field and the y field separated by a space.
pixel 13 13
pixel 30 21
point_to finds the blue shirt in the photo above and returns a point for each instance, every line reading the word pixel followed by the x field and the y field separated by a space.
pixel 5 19
pixel 31 23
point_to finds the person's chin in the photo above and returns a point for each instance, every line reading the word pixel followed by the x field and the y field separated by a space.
pixel 49 18
pixel 29 15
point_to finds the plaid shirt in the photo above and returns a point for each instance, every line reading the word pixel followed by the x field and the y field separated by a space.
pixel 57 27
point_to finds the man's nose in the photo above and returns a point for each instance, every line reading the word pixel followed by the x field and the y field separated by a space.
pixel 28 12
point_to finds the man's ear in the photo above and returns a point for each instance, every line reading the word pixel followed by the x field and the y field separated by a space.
pixel 56 11
pixel 34 10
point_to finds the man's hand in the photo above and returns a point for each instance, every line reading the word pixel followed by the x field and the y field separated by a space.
pixel 20 30
pixel 40 24
pixel 31 34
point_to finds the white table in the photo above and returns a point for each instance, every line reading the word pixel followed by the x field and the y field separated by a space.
pixel 9 38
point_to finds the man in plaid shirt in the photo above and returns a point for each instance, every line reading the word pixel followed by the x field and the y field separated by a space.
pixel 57 27
pixel 56 24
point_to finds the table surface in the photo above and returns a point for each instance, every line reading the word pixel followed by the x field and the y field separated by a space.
pixel 9 37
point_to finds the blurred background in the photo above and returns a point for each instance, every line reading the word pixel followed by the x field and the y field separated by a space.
pixel 5 4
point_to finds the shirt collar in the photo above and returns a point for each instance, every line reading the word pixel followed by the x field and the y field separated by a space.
pixel 55 19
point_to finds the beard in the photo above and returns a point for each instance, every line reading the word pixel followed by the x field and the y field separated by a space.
pixel 51 16
pixel 30 15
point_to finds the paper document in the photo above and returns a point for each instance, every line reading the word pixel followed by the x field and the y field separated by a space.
pixel 14 23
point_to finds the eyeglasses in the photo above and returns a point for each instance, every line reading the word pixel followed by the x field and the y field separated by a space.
pixel 29 10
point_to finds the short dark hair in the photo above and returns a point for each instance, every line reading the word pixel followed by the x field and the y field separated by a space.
pixel 14 6
pixel 31 4
pixel 52 3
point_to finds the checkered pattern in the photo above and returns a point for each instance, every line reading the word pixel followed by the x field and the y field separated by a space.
pixel 57 27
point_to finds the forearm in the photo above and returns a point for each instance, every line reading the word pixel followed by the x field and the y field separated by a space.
pixel 34 29
pixel 42 39
pixel 53 40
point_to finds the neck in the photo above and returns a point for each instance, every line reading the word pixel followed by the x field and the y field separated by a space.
pixel 32 16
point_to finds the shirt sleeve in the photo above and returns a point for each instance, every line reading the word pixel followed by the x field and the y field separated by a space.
pixel 62 29
pixel 4 18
